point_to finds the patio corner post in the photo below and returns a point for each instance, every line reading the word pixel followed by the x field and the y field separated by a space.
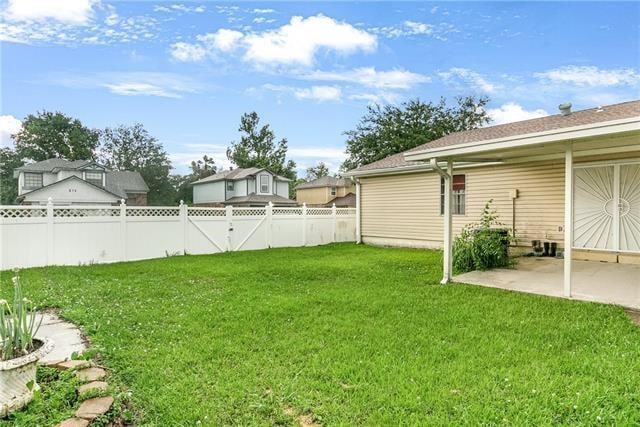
pixel 568 217
pixel 50 233
pixel 448 223
pixel 358 211
pixel 123 230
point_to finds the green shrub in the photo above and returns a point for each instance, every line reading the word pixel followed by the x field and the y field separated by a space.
pixel 482 245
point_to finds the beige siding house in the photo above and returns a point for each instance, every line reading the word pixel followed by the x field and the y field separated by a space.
pixel 409 199
pixel 323 191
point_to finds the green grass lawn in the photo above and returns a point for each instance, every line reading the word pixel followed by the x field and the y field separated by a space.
pixel 347 334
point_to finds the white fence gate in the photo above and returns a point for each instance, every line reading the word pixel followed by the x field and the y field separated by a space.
pixel 35 236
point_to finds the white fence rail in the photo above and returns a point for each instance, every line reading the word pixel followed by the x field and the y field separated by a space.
pixel 33 236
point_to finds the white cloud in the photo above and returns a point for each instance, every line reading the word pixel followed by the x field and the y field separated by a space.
pixel 512 112
pixel 140 89
pixel 9 125
pixel 468 77
pixel 179 8
pixel 187 52
pixel 418 27
pixel 295 43
pixel 591 76
pixel 223 40
pixel 298 41
pixel 319 93
pixel 381 97
pixel 182 160
pixel 112 17
pixel 369 76
pixel 76 12
pixel 262 11
pixel 438 31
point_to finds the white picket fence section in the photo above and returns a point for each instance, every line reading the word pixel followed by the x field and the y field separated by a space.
pixel 34 236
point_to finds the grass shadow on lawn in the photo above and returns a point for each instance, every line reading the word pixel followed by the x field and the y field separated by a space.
pixel 349 333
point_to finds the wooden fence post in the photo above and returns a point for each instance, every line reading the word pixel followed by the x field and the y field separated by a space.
pixel 304 224
pixel 229 215
pixel 50 233
pixel 123 230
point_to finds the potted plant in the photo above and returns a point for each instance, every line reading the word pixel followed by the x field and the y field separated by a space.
pixel 19 351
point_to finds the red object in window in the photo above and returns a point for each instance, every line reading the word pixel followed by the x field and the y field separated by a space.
pixel 458 182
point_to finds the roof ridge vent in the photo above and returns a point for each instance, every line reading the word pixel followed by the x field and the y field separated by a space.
pixel 565 108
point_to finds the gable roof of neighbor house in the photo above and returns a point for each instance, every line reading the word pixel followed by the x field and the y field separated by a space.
pixel 237 174
pixel 325 181
pixel 118 183
pixel 71 178
pixel 260 198
pixel 347 200
pixel 557 121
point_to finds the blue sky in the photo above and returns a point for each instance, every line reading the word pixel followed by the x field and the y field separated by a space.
pixel 188 70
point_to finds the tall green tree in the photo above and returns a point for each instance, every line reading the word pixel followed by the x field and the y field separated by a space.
pixel 53 134
pixel 9 160
pixel 201 168
pixel 392 129
pixel 317 171
pixel 133 148
pixel 258 148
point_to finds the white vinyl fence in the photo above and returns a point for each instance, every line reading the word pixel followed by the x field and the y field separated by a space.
pixel 70 235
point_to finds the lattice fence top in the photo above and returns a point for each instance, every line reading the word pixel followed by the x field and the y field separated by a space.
pixel 287 211
pixel 249 211
pixel 345 211
pixel 206 212
pixel 22 212
pixel 84 212
pixel 320 211
pixel 153 212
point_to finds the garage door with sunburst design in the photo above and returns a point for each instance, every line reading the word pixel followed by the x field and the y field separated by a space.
pixel 607 207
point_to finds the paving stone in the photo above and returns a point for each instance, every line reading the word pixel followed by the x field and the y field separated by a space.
pixel 74 422
pixel 91 374
pixel 92 408
pixel 93 386
pixel 72 364
pixel 66 337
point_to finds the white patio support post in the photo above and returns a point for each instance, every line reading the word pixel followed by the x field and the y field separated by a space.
pixel 50 234
pixel 447 266
pixel 358 210
pixel 228 211
pixel 268 225
pixel 568 217
pixel 123 230
pixel 304 224
pixel 334 218
pixel 183 222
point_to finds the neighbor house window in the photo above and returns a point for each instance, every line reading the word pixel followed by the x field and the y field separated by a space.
pixel 229 185
pixel 333 191
pixel 458 199
pixel 32 180
pixel 264 184
pixel 93 177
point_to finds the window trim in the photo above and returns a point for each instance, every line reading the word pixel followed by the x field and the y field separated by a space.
pixel 266 185
pixel 457 207
pixel 32 174
pixel 96 181
pixel 230 186
pixel 333 191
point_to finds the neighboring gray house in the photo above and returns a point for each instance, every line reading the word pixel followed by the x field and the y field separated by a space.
pixel 242 187
pixel 79 182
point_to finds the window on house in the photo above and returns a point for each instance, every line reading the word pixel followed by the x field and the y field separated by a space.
pixel 32 180
pixel 230 185
pixel 458 196
pixel 264 183
pixel 333 191
pixel 94 177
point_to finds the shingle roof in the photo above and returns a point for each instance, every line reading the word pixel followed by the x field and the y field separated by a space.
pixel 558 121
pixel 260 198
pixel 236 174
pixel 51 165
pixel 325 181
pixel 348 200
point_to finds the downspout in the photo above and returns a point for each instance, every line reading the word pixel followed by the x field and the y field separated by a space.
pixel 358 212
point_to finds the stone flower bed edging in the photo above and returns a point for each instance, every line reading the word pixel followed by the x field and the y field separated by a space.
pixel 91 377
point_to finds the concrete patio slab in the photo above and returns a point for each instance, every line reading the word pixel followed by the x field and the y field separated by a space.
pixel 604 282
pixel 66 337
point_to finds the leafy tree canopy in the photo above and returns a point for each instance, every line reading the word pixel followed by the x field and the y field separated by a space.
pixel 199 169
pixel 318 171
pixel 9 160
pixel 258 148
pixel 52 134
pixel 133 148
pixel 391 129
